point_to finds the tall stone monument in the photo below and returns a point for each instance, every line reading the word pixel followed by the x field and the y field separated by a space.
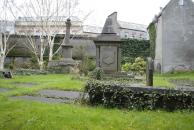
pixel 67 63
pixel 108 51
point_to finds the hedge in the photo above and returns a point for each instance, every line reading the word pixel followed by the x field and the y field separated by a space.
pixel 120 96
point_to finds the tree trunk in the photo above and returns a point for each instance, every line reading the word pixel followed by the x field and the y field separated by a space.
pixel 2 60
pixel 41 65
pixel 41 62
pixel 51 53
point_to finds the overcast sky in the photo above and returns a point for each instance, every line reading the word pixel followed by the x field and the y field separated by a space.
pixel 136 11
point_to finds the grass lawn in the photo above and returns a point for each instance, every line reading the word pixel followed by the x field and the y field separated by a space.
pixel 27 115
pixel 164 80
pixel 29 84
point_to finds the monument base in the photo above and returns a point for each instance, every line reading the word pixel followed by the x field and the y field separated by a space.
pixel 62 66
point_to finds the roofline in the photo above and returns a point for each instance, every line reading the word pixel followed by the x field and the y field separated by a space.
pixel 131 23
pixel 133 29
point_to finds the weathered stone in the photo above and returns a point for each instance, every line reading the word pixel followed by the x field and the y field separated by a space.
pixel 67 63
pixel 108 52
pixel 54 96
pixel 149 72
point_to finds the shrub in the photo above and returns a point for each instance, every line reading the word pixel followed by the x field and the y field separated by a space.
pixel 98 73
pixel 126 67
pixel 139 66
pixel 87 65
pixel 120 96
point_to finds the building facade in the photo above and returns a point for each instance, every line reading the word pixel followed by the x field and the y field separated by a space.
pixel 175 37
pixel 35 26
pixel 7 27
pixel 132 30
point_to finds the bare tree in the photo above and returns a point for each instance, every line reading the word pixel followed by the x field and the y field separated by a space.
pixel 5 24
pixel 48 19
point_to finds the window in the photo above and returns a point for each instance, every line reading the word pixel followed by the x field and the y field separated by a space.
pixel 126 34
pixel 181 2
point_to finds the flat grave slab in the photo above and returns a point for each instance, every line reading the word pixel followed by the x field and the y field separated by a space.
pixel 53 96
pixel 25 84
pixel 41 99
pixel 3 90
pixel 72 95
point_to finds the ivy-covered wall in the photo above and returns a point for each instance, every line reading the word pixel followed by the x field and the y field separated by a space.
pixel 133 48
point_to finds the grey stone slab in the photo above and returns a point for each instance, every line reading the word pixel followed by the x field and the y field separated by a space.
pixel 26 84
pixel 61 94
pixel 42 99
pixel 3 90
pixel 54 96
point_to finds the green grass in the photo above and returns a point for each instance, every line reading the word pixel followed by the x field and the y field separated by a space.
pixel 27 115
pixel 24 115
pixel 52 81
pixel 163 80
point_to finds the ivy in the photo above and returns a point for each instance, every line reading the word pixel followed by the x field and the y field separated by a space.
pixel 133 48
pixel 110 94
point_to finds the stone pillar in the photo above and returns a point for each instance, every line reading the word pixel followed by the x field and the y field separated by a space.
pixel 149 72
pixel 67 35
pixel 67 48
pixel 67 64
pixel 67 51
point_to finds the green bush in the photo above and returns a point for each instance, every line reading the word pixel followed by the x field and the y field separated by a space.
pixel 126 67
pixel 87 65
pixel 120 96
pixel 98 73
pixel 139 66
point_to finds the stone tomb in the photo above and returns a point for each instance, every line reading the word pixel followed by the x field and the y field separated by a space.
pixel 108 55
pixel 108 51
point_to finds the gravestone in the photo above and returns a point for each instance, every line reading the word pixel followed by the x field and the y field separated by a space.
pixel 108 51
pixel 149 71
pixel 67 64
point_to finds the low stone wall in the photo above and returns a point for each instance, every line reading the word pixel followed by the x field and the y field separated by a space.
pixel 17 61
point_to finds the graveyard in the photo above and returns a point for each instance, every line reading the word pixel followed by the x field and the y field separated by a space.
pixel 23 113
pixel 123 76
